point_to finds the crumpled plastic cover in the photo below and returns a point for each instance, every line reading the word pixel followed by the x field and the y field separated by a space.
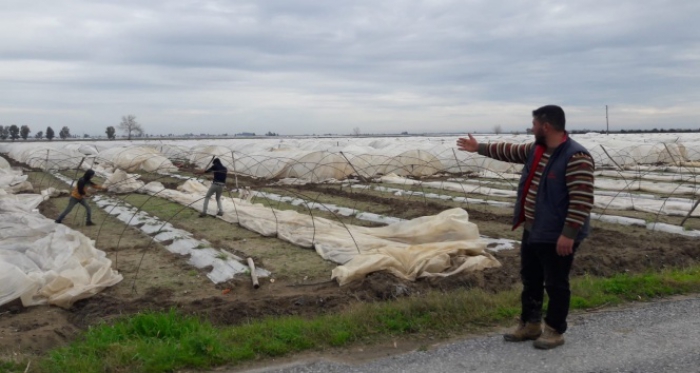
pixel 121 182
pixel 429 246
pixel 42 262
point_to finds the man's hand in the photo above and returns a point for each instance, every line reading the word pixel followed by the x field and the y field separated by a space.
pixel 468 145
pixel 565 246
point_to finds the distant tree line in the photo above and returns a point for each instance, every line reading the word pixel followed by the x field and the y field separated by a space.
pixel 128 125
pixel 13 133
pixel 653 130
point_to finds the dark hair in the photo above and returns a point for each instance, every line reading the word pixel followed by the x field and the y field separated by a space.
pixel 552 114
pixel 216 161
pixel 88 174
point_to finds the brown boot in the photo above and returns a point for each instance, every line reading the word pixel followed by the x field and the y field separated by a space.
pixel 524 331
pixel 549 339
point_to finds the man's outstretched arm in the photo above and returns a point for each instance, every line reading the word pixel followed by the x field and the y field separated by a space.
pixel 502 151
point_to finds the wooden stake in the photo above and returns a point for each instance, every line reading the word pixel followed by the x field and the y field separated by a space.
pixel 233 164
pixel 690 212
pixel 253 276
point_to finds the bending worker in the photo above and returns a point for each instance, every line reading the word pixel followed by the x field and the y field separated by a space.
pixel 77 196
pixel 217 186
pixel 555 197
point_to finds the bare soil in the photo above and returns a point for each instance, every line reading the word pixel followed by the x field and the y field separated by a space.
pixel 157 280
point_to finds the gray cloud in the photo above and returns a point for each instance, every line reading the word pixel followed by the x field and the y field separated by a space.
pixel 299 67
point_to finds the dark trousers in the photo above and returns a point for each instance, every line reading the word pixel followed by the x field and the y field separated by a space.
pixel 71 203
pixel 542 268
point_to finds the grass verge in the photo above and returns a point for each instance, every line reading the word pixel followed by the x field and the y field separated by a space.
pixel 164 342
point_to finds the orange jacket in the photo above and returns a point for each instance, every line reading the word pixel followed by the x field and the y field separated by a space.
pixel 79 190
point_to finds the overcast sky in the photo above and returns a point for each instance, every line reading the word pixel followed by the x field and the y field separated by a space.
pixel 316 67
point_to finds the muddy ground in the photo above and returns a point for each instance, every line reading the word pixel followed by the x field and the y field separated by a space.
pixel 157 280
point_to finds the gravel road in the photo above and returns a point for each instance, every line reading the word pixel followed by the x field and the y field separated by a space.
pixel 656 337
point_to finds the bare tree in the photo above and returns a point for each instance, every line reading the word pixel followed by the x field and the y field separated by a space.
pixel 356 131
pixel 129 126
pixel 497 129
pixel 39 135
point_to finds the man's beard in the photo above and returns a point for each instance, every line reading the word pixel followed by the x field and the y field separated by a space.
pixel 540 140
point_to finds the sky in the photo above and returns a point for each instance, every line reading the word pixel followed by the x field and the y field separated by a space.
pixel 297 67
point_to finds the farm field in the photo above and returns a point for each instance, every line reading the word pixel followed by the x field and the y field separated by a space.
pixel 648 221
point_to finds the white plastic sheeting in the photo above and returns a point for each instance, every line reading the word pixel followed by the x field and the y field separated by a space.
pixel 317 166
pixel 222 265
pixel 428 246
pixel 603 200
pixel 451 186
pixel 42 262
pixel 202 155
pixel 495 244
pixel 121 182
pixel 135 158
pixel 44 156
pixel 647 186
pixel 632 154
pixel 12 181
pixel 324 158
pixel 415 162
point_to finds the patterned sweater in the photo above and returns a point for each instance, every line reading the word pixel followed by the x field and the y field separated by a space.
pixel 579 181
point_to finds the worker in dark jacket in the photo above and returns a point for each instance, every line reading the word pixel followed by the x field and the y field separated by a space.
pixel 217 186
pixel 555 197
pixel 78 195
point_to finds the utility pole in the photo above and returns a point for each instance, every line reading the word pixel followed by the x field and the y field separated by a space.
pixel 607 124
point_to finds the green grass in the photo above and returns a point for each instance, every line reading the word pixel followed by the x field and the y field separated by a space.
pixel 165 342
pixel 12 367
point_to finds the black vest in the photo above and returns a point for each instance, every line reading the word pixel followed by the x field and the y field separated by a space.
pixel 552 202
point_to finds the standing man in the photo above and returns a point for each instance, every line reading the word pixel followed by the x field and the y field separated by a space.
pixel 217 186
pixel 555 197
pixel 77 196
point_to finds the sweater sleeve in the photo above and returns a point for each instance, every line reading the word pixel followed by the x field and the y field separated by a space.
pixel 506 151
pixel 96 186
pixel 579 182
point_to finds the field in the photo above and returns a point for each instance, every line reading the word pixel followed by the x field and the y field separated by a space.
pixel 299 282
